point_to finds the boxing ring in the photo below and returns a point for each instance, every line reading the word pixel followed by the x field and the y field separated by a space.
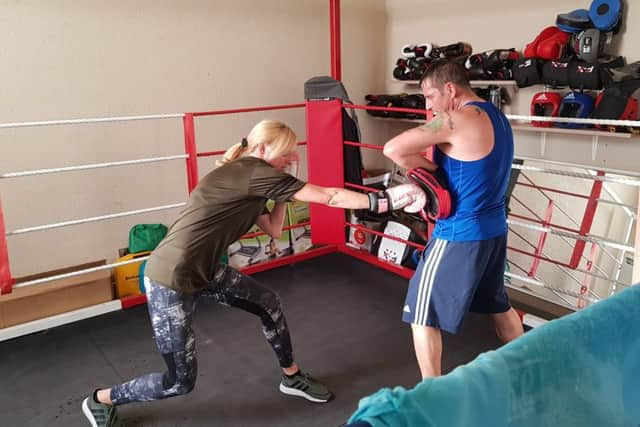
pixel 325 167
pixel 325 146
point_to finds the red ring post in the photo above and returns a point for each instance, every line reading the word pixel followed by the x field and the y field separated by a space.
pixel 334 17
pixel 6 281
pixel 541 241
pixel 587 221
pixel 325 148
pixel 190 150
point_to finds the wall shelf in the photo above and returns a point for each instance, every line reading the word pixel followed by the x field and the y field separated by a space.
pixel 584 132
pixel 527 127
pixel 593 133
pixel 474 83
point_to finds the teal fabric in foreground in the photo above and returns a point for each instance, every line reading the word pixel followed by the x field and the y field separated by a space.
pixel 580 370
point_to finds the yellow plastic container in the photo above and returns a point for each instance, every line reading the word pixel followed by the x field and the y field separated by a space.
pixel 127 276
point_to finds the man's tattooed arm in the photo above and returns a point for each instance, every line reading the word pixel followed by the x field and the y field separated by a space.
pixel 436 124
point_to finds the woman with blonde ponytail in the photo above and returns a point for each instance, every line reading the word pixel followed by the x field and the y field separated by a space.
pixel 226 203
pixel 277 136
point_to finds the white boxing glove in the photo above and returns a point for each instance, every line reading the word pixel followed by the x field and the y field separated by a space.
pixel 418 204
pixel 400 196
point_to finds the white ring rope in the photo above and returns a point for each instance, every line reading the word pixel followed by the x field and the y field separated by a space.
pixel 78 273
pixel 590 239
pixel 544 285
pixel 90 120
pixel 614 203
pixel 603 122
pixel 93 219
pixel 578 166
pixel 626 181
pixel 579 270
pixel 91 166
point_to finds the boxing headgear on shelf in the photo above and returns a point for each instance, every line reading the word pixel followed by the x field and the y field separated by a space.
pixel 574 21
pixel 550 44
pixel 575 105
pixel 606 15
pixel 438 204
pixel 546 104
pixel 617 103
pixel 588 44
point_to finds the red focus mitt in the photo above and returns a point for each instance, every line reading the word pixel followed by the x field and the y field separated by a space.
pixel 434 185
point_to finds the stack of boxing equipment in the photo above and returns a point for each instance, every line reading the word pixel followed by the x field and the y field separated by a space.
pixel 416 58
pixel 579 37
pixel 571 55
pixel 403 100
pixel 493 64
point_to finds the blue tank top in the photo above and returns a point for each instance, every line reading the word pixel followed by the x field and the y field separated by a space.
pixel 478 187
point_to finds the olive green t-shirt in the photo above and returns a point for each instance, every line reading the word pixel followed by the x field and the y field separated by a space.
pixel 223 207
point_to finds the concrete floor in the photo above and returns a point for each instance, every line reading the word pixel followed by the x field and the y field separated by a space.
pixel 345 320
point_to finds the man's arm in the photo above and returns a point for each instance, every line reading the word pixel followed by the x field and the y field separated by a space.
pixel 406 149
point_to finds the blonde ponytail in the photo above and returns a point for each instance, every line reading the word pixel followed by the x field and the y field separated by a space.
pixel 274 134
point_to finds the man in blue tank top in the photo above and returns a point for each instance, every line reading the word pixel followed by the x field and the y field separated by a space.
pixel 462 267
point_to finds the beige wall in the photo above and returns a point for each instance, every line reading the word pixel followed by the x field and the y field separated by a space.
pixel 69 59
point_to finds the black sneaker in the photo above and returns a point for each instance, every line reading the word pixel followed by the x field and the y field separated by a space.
pixel 303 385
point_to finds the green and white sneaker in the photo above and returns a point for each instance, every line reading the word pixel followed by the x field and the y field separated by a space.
pixel 302 385
pixel 99 414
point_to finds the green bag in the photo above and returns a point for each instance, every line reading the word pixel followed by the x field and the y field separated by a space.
pixel 145 237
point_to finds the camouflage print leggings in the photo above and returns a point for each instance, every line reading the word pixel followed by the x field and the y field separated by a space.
pixel 171 316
